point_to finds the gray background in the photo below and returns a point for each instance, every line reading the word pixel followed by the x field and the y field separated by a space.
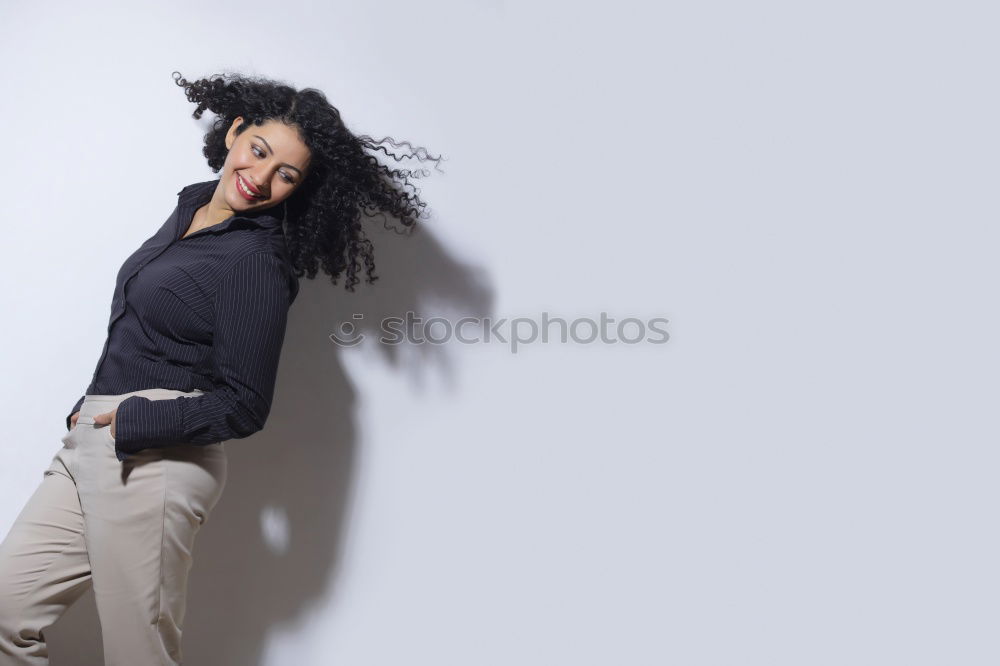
pixel 805 472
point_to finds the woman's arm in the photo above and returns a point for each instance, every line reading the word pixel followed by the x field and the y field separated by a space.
pixel 76 408
pixel 251 311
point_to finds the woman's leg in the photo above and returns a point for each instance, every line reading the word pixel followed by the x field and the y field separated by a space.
pixel 44 567
pixel 141 517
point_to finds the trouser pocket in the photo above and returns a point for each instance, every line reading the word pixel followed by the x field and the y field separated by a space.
pixel 86 425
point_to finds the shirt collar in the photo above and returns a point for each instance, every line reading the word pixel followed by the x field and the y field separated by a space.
pixel 196 195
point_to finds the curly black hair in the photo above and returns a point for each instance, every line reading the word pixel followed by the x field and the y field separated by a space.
pixel 323 222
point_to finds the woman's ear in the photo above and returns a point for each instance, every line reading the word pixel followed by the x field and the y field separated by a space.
pixel 231 134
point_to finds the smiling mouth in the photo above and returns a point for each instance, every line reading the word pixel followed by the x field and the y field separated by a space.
pixel 245 190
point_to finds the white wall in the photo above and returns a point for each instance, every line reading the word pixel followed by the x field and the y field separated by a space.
pixel 804 474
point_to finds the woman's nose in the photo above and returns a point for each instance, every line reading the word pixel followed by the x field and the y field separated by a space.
pixel 262 180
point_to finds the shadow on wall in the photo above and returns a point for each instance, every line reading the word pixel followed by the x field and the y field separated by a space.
pixel 296 474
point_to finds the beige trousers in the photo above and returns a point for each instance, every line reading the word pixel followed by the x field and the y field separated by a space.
pixel 125 528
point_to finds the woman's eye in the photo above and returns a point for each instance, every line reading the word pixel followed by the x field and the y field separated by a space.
pixel 287 179
pixel 257 151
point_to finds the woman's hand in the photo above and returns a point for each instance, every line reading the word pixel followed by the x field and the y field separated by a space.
pixel 105 418
pixel 73 419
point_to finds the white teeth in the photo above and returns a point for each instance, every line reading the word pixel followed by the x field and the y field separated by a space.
pixel 239 179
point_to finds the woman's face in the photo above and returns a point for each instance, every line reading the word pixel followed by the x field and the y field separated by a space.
pixel 265 164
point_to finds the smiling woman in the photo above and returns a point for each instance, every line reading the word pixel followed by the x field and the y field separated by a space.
pixel 298 143
pixel 262 169
pixel 197 325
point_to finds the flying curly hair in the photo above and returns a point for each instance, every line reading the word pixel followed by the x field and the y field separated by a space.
pixel 345 183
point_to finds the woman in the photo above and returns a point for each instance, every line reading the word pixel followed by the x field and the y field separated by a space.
pixel 197 323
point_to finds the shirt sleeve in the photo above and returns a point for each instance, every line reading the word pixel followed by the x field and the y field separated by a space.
pixel 251 311
pixel 76 408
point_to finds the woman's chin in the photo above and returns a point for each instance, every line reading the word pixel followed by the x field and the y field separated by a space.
pixel 239 203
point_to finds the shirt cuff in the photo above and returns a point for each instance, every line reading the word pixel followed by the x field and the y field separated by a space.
pixel 141 423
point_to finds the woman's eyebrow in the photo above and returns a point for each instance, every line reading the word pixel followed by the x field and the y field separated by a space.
pixel 258 136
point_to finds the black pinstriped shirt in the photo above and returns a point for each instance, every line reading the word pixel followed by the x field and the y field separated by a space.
pixel 203 312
